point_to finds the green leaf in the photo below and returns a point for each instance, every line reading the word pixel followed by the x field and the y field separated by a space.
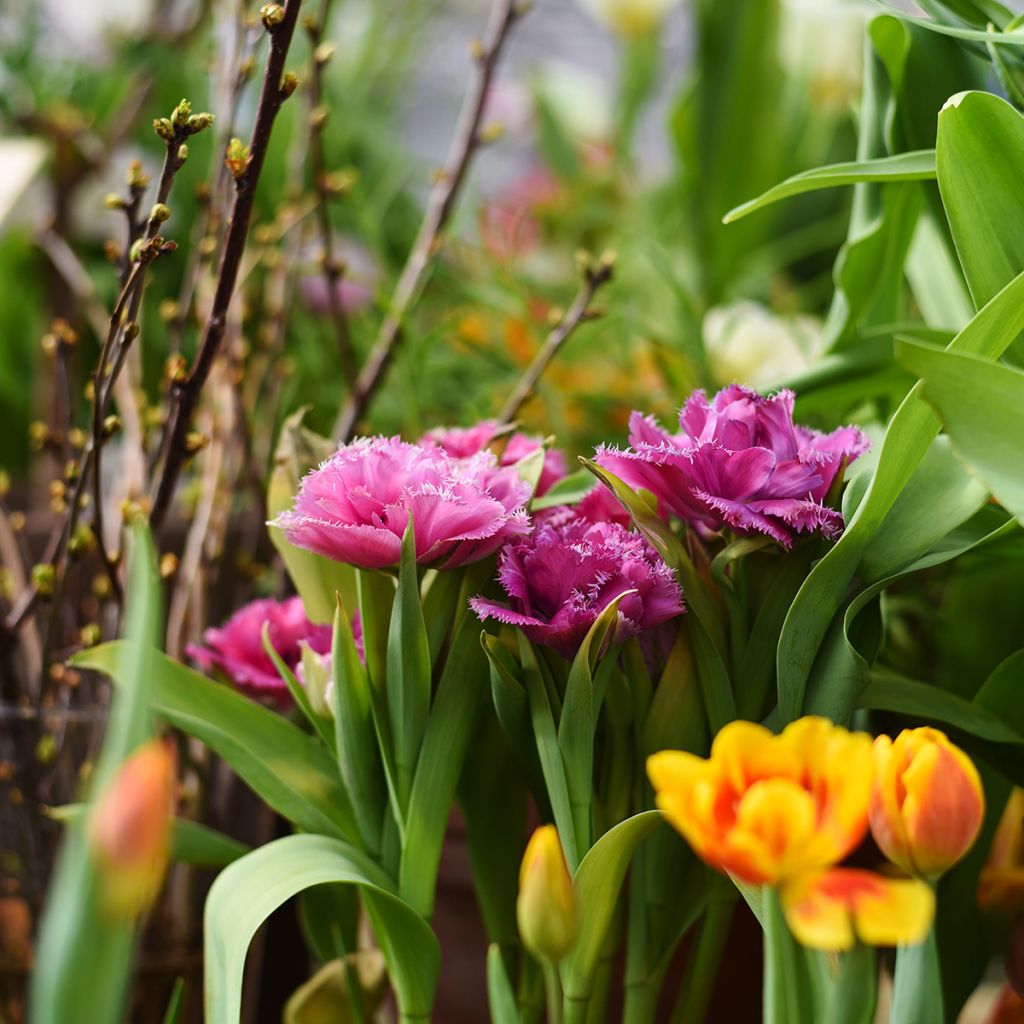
pixel 787 997
pixel 83 955
pixel 981 194
pixel 597 883
pixel 501 1000
pixel 890 692
pixel 570 490
pixel 1000 693
pixel 354 738
pixel 408 669
pixel 450 726
pixel 907 438
pixel 853 997
pixel 288 769
pixel 1014 38
pixel 916 166
pixel 917 984
pixel 981 406
pixel 578 720
pixel 376 601
pixel 174 1004
pixel 245 894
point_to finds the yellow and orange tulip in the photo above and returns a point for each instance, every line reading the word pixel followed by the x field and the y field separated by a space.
pixel 131 829
pixel 835 908
pixel 546 908
pixel 927 803
pixel 768 808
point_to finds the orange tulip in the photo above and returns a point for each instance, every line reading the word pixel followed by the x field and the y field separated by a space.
pixel 927 803
pixel 1001 886
pixel 131 829
pixel 546 908
pixel 768 808
pixel 832 909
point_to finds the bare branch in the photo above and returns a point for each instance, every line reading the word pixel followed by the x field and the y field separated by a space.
pixel 439 208
pixel 185 395
pixel 594 277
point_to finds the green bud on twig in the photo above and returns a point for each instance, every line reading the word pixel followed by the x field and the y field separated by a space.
pixel 160 213
pixel 271 15
pixel 44 576
pixel 138 180
pixel 112 201
pixel 181 113
pixel 237 158
pixel 289 83
pixel 163 127
pixel 199 122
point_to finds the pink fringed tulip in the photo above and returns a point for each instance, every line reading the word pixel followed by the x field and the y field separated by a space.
pixel 463 442
pixel 356 506
pixel 561 578
pixel 236 648
pixel 739 462
pixel 927 803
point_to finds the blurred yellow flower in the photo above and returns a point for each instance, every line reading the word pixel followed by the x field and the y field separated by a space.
pixel 629 18
pixel 927 803
pixel 1001 886
pixel 768 808
pixel 833 909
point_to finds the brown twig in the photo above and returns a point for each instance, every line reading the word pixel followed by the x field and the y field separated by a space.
pixel 595 276
pixel 185 395
pixel 333 269
pixel 440 204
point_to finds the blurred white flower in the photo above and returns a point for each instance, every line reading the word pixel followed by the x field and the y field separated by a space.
pixel 579 100
pixel 22 161
pixel 628 18
pixel 748 344
pixel 821 42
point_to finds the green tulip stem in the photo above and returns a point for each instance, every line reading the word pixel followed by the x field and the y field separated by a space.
pixel 702 969
pixel 553 992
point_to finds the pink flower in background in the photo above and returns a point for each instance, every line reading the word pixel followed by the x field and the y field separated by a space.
pixel 740 462
pixel 354 289
pixel 236 648
pixel 561 578
pixel 462 442
pixel 356 506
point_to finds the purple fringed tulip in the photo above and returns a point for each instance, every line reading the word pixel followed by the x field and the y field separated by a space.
pixel 562 577
pixel 356 506
pixel 236 648
pixel 463 442
pixel 740 462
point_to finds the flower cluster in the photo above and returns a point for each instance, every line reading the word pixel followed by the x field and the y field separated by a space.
pixel 356 506
pixel 739 462
pixel 785 810
pixel 560 579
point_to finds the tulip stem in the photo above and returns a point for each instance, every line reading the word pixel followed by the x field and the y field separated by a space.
pixel 786 999
pixel 553 992
pixel 698 983
pixel 917 984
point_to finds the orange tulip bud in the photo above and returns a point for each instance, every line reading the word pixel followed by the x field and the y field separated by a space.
pixel 131 829
pixel 769 808
pixel 546 908
pixel 832 909
pixel 927 803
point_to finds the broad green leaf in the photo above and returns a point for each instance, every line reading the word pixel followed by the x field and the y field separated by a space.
pixel 981 406
pixel 83 955
pixel 935 277
pixel 917 984
pixel 787 995
pixel 1000 693
pixel 890 692
pixel 915 166
pixel 359 759
pixel 939 496
pixel 907 438
pixel 245 894
pixel 288 769
pixel 981 193
pixel 501 999
pixel 853 996
pixel 597 882
pixel 376 602
pixel 453 718
pixel 1013 38
pixel 713 677
pixel 570 490
pixel 408 669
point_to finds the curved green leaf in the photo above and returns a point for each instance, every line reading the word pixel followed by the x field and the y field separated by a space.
pixel 288 769
pixel 1014 38
pixel 915 166
pixel 245 894
pixel 597 882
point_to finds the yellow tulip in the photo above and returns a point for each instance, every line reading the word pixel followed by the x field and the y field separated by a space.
pixel 546 908
pixel 629 18
pixel 769 808
pixel 927 803
pixel 833 909
pixel 131 829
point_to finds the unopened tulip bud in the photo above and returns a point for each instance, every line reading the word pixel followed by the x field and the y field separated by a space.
pixel 316 673
pixel 131 830
pixel 546 908
pixel 927 803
